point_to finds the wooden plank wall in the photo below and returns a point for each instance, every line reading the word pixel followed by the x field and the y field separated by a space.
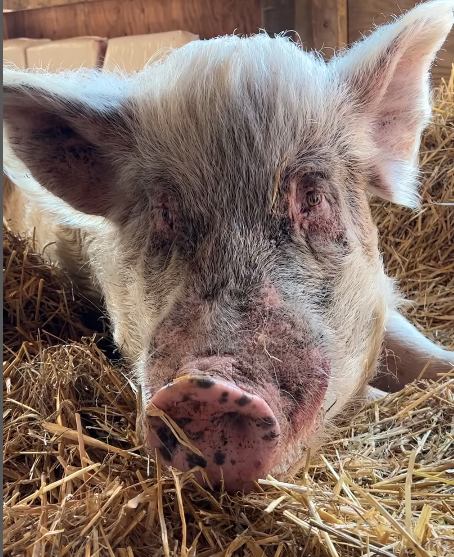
pixel 321 24
pixel 16 5
pixel 116 18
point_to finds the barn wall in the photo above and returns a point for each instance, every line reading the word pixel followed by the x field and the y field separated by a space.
pixel 325 24
pixel 116 18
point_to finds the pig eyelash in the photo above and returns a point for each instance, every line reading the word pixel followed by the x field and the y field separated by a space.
pixel 163 222
pixel 166 217
pixel 306 193
pixel 308 207
pixel 313 198
pixel 313 203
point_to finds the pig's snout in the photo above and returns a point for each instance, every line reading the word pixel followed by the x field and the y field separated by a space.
pixel 235 431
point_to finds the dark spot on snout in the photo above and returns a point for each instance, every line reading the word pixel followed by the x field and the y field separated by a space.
pixel 237 420
pixel 243 401
pixel 165 454
pixel 204 382
pixel 266 422
pixel 195 460
pixel 183 421
pixel 196 436
pixel 224 397
pixel 270 436
pixel 186 398
pixel 219 458
pixel 169 442
pixel 233 462
pixel 165 435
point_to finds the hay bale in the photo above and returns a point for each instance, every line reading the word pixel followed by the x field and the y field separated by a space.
pixel 77 482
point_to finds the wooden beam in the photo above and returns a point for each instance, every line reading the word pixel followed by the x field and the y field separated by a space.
pixel 278 16
pixel 322 24
pixel 21 5
pixel 5 29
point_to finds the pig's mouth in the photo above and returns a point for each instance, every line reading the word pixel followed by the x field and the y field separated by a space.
pixel 237 435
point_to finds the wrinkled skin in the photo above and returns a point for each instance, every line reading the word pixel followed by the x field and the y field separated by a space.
pixel 219 203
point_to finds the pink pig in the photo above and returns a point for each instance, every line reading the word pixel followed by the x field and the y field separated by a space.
pixel 218 203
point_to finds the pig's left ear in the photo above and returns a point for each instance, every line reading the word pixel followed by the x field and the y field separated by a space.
pixel 387 74
pixel 64 137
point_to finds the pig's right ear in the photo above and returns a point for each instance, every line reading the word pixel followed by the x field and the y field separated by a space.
pixel 61 135
pixel 387 75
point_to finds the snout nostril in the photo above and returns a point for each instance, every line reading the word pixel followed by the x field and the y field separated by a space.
pixel 233 430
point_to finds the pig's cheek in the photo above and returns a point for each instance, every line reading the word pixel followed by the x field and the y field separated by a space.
pixel 322 222
pixel 269 296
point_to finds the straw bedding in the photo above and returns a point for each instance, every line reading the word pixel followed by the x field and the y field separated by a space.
pixel 77 482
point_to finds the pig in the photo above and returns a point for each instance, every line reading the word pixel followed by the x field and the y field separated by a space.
pixel 218 203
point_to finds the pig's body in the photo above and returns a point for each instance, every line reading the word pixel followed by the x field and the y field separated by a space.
pixel 65 247
pixel 218 202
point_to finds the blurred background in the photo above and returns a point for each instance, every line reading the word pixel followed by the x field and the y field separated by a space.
pixel 62 34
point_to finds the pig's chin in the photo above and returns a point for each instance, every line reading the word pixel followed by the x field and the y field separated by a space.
pixel 241 430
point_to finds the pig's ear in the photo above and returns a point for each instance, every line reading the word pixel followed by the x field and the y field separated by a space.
pixel 388 75
pixel 61 135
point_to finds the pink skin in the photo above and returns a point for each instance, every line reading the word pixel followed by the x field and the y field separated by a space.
pixel 235 430
pixel 270 296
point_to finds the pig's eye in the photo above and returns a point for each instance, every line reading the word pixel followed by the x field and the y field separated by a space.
pixel 166 216
pixel 313 199
pixel 308 207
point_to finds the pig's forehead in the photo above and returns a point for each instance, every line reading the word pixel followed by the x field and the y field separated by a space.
pixel 230 75
pixel 234 109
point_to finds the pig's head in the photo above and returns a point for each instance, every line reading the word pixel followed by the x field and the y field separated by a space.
pixel 224 191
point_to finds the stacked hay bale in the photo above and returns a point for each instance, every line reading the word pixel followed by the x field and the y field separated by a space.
pixel 77 482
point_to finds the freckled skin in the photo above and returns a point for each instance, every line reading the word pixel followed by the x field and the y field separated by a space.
pixel 205 382
pixel 240 439
pixel 224 397
pixel 243 401
pixel 219 458
pixel 195 460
